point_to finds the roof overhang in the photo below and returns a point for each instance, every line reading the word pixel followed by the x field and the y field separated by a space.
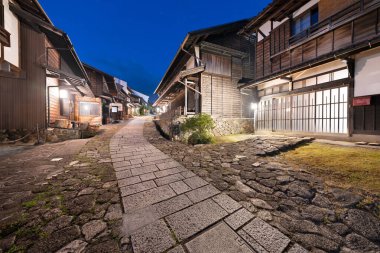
pixel 191 39
pixel 277 10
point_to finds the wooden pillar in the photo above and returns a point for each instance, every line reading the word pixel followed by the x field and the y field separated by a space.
pixel 185 107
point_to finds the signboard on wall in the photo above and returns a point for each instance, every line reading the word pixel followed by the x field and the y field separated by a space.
pixel 362 101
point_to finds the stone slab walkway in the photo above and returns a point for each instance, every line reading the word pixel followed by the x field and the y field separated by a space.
pixel 167 208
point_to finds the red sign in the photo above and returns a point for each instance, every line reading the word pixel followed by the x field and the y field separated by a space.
pixel 362 101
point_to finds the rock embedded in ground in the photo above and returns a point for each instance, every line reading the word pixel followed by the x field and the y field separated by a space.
pixel 77 246
pixel 93 228
pixel 114 212
pixel 261 204
pixel 363 223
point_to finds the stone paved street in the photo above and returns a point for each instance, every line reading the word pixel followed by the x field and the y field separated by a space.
pixel 62 198
pixel 294 203
pixel 167 208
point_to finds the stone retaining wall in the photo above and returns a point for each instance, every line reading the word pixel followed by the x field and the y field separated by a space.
pixel 224 126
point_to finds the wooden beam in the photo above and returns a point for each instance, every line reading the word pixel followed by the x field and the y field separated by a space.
pixel 186 97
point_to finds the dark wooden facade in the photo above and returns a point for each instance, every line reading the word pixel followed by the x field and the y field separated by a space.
pixel 205 75
pixel 23 94
pixel 351 28
pixel 306 80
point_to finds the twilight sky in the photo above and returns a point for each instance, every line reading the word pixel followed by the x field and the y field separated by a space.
pixel 136 40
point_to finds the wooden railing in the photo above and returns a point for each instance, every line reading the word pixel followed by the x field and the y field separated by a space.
pixel 342 17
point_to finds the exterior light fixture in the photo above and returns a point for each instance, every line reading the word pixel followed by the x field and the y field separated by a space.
pixel 253 106
pixel 63 94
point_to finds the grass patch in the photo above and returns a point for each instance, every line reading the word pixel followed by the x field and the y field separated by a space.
pixel 30 204
pixel 340 166
pixel 233 138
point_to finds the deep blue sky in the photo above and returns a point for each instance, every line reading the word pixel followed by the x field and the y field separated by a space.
pixel 136 40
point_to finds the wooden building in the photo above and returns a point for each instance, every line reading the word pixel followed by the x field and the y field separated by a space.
pixel 103 86
pixel 42 80
pixel 205 74
pixel 316 68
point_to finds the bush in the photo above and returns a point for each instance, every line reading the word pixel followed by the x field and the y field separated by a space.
pixel 199 123
pixel 200 138
pixel 199 128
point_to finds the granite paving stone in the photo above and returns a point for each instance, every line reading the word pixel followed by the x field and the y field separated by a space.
pixel 227 203
pixel 172 205
pixel 177 249
pixel 123 174
pixel 148 197
pixel 129 181
pixel 267 236
pixel 195 182
pixel 195 218
pixel 218 239
pixel 202 193
pixel 136 188
pixel 168 172
pixel 169 179
pixel 154 238
pixel 180 187
pixel 144 170
pixel 147 176
pixel 239 218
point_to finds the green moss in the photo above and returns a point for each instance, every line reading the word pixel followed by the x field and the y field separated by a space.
pixel 340 166
pixel 16 249
pixel 30 204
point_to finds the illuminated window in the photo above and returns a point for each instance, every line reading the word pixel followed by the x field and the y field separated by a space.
pixel 89 109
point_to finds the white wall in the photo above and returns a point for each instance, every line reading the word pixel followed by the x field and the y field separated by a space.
pixel 12 25
pixel 367 73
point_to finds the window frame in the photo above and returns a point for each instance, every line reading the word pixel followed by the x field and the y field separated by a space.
pixel 308 12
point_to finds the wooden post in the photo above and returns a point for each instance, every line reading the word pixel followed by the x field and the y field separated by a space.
pixel 185 107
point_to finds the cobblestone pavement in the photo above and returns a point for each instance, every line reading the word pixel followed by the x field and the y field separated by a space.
pixel 167 208
pixel 268 200
pixel 61 198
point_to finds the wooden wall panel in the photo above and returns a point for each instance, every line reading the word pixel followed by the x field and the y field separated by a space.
pixel 325 44
pixel 217 64
pixel 342 37
pixel 260 60
pixel 276 64
pixel 296 55
pixel 285 60
pixel 309 51
pixel 365 27
pixel 328 7
pixel 267 55
pixel 23 100
pixel 54 58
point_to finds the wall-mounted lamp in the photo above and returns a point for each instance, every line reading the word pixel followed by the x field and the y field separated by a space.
pixel 253 106
pixel 63 94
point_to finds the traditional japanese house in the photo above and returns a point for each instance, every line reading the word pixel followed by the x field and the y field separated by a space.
pixel 204 77
pixel 101 83
pixel 42 81
pixel 317 68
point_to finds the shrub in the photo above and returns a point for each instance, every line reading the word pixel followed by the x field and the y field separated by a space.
pixel 200 138
pixel 199 128
pixel 199 123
